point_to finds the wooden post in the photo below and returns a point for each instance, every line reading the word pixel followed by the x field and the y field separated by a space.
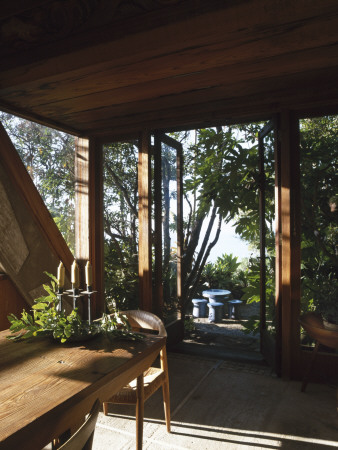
pixel 88 215
pixel 179 176
pixel 144 215
pixel 290 245
pixel 96 240
pixel 158 288
pixel 278 244
pixel 82 202
pixel 262 229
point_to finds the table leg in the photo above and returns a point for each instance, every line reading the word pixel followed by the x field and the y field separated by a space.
pixel 139 412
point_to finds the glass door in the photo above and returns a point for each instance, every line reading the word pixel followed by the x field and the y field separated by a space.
pixel 168 224
pixel 269 245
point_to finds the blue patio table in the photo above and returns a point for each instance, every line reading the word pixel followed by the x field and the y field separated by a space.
pixel 216 295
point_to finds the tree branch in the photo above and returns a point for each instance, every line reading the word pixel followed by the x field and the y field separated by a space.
pixel 124 191
pixel 206 256
pixel 194 271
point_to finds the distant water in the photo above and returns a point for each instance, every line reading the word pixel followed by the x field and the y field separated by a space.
pixel 229 242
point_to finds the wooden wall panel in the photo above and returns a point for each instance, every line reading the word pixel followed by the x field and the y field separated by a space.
pixel 31 243
pixel 11 301
pixel 23 182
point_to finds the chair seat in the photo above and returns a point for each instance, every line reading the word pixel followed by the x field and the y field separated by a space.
pixel 153 379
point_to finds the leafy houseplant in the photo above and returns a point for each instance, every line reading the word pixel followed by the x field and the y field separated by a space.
pixel 326 303
pixel 47 320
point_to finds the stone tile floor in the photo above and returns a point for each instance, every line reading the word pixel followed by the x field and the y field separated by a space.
pixel 230 405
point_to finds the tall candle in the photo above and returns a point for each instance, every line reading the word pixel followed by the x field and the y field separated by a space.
pixel 75 275
pixel 61 275
pixel 89 274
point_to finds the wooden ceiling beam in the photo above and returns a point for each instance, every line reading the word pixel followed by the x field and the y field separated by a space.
pixel 234 110
pixel 233 52
pixel 239 31
pixel 95 92
pixel 292 88
pixel 48 122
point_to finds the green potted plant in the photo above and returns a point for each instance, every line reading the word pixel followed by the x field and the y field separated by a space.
pixel 326 303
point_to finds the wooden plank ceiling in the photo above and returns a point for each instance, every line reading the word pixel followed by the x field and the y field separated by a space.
pixel 103 67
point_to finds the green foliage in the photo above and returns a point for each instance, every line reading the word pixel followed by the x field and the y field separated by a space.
pixel 47 320
pixel 252 293
pixel 120 225
pixel 222 179
pixel 319 180
pixel 221 174
pixel 121 280
pixel 224 274
pixel 325 299
pixel 252 325
pixel 189 325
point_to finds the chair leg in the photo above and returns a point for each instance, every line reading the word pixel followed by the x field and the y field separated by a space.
pixel 139 412
pixel 105 408
pixel 166 401
pixel 165 387
pixel 308 370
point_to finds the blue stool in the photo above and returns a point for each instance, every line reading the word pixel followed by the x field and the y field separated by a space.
pixel 215 312
pixel 233 308
pixel 200 307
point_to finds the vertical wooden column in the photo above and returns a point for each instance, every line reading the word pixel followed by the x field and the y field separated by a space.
pixel 290 243
pixel 82 200
pixel 144 215
pixel 278 248
pixel 158 288
pixel 179 177
pixel 96 240
pixel 88 215
pixel 262 230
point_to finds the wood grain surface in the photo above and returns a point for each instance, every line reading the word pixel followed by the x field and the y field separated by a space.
pixel 47 387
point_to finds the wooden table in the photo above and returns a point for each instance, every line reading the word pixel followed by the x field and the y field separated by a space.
pixel 47 387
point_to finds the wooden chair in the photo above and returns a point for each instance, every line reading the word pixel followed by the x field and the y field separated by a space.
pixel 82 439
pixel 140 389
pixel 313 325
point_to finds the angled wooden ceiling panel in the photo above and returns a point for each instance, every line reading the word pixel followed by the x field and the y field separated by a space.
pixel 123 61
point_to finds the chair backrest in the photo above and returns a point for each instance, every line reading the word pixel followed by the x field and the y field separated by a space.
pixel 147 320
pixel 82 439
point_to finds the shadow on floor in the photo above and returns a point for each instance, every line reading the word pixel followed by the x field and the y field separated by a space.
pixel 219 404
pixel 225 340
